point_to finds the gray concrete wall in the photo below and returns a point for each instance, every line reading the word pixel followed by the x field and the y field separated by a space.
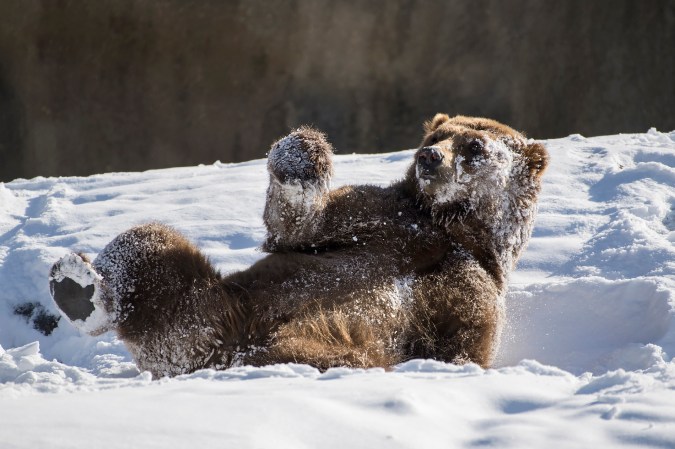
pixel 109 85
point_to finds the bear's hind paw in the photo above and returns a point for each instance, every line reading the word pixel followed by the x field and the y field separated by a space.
pixel 76 289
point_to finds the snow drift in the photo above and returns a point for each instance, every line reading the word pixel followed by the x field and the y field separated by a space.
pixel 586 357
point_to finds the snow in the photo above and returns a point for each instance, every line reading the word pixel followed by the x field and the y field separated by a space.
pixel 586 358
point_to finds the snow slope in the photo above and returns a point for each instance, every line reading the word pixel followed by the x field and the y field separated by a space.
pixel 586 357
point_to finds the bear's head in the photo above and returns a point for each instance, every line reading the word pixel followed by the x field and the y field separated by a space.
pixel 480 180
pixel 465 162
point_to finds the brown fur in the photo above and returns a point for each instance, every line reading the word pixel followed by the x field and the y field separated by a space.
pixel 330 338
pixel 359 276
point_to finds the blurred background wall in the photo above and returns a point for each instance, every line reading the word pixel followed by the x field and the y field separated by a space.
pixel 110 85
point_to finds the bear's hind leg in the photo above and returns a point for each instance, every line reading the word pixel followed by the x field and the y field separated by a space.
pixel 173 313
pixel 162 297
pixel 300 167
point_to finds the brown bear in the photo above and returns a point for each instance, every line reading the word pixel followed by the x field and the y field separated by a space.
pixel 359 276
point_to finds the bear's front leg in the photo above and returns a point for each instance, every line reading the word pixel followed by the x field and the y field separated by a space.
pixel 457 313
pixel 300 169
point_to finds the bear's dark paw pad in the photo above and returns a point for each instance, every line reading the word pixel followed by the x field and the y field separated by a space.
pixel 73 299
pixel 302 156
pixel 75 287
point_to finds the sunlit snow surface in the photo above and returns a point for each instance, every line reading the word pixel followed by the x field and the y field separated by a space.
pixel 586 360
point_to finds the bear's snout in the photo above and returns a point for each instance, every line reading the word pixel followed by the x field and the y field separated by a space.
pixel 429 159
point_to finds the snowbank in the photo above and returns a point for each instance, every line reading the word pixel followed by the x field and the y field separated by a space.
pixel 592 302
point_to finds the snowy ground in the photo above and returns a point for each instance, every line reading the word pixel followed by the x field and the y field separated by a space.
pixel 586 360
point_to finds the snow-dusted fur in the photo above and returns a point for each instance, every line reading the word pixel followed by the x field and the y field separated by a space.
pixel 359 276
pixel 300 169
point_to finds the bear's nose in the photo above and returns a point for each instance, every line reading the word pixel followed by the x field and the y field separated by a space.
pixel 429 157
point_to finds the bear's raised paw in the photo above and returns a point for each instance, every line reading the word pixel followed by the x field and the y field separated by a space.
pixel 303 156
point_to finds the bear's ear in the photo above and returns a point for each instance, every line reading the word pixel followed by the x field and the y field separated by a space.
pixel 537 158
pixel 431 125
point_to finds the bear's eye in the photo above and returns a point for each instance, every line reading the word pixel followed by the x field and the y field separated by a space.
pixel 475 147
pixel 433 140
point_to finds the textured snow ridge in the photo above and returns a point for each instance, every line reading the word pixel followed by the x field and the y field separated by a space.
pixel 24 370
pixel 526 405
pixel 605 246
pixel 586 358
